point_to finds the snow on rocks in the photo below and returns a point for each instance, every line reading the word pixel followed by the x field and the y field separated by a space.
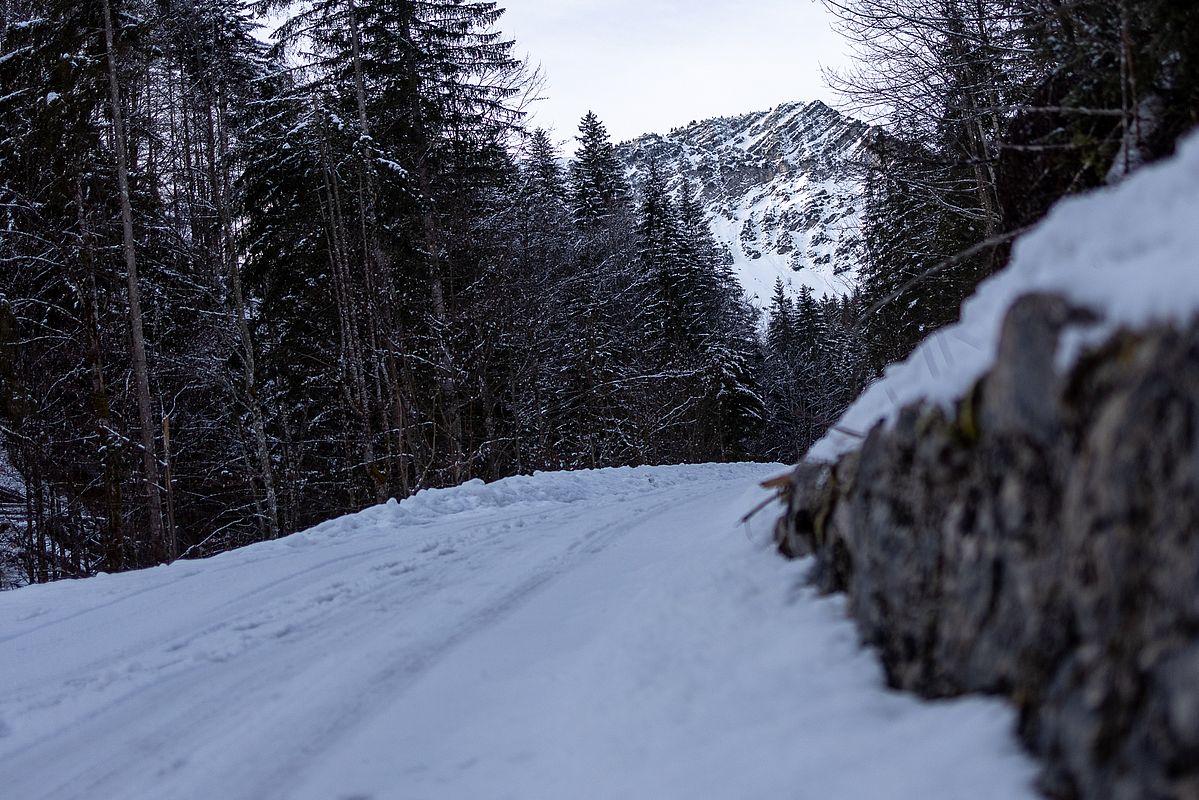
pixel 1127 253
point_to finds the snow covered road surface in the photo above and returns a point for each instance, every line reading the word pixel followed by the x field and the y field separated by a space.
pixel 605 634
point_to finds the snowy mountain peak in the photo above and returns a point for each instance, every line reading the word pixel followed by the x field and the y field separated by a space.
pixel 781 187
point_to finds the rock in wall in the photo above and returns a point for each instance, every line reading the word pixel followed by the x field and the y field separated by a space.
pixel 1040 542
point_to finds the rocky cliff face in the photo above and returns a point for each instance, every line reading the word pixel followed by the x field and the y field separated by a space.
pixel 1040 542
pixel 781 187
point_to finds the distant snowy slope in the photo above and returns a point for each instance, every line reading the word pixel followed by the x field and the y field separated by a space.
pixel 602 634
pixel 1129 253
pixel 781 187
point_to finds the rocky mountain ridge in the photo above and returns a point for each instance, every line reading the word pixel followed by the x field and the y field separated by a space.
pixel 783 187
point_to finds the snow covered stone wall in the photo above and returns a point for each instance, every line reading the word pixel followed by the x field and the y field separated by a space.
pixel 1129 255
pixel 1023 516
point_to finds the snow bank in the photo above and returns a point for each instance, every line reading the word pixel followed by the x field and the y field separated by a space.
pixel 1128 253
pixel 525 491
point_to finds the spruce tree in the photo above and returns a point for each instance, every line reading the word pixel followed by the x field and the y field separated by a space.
pixel 662 265
pixel 598 187
pixel 780 327
pixel 541 166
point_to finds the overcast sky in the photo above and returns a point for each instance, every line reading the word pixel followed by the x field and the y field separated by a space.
pixel 650 65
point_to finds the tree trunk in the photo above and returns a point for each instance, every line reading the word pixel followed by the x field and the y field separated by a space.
pixel 447 380
pixel 89 294
pixel 165 549
pixel 221 189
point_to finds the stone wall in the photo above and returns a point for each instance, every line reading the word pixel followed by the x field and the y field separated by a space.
pixel 1040 542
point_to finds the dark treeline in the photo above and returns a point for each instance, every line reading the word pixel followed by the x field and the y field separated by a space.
pixel 815 366
pixel 994 110
pixel 245 288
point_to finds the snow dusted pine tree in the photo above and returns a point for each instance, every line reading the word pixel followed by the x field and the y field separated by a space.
pixel 598 188
pixel 722 329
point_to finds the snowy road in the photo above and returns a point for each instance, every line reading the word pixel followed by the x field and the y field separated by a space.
pixel 609 634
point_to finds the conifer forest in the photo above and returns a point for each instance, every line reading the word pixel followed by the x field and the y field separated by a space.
pixel 250 283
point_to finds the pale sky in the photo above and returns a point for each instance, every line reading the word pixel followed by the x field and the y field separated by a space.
pixel 650 65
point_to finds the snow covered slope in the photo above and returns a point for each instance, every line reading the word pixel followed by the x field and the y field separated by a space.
pixel 781 188
pixel 607 634
pixel 1130 254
